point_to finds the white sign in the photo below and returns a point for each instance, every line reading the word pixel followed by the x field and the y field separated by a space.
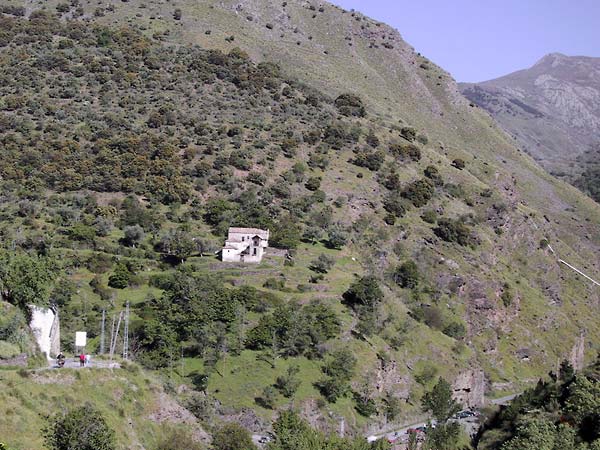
pixel 80 338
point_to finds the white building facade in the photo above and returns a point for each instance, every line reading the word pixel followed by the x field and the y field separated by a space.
pixel 245 245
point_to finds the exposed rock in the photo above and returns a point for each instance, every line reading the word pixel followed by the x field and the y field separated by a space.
pixel 577 356
pixel 469 388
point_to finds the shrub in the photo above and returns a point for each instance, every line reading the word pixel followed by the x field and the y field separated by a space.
pixel 232 436
pixel 458 163
pixel 177 440
pixel 350 105
pixel 455 231
pixel 313 183
pixel 455 330
pixel 429 216
pixel 408 133
pixel 337 237
pixel 419 192
pixel 406 151
pixel 407 275
pixel 433 174
pixel 369 159
pixel 289 383
pixel 395 204
pixel 322 264
pixel 82 428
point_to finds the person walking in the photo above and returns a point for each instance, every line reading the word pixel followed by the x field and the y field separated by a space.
pixel 81 360
pixel 88 357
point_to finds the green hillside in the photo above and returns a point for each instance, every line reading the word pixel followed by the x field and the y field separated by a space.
pixel 134 135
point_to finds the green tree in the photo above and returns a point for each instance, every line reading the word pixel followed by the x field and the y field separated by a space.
pixel 439 401
pixel 82 428
pixel 364 291
pixel 288 383
pixel 26 279
pixel 178 244
pixel 339 370
pixel 533 434
pixel 119 279
pixel 232 436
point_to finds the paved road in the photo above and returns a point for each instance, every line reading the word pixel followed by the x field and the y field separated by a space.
pixel 504 400
pixel 73 363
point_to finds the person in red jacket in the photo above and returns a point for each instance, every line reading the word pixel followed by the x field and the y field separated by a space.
pixel 81 360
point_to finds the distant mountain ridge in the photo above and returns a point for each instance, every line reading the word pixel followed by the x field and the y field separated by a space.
pixel 552 109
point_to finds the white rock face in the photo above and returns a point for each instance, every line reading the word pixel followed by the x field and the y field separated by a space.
pixel 44 324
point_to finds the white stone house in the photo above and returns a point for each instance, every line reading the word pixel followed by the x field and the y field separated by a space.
pixel 245 245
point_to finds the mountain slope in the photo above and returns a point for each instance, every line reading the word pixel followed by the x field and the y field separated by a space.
pixel 202 140
pixel 551 109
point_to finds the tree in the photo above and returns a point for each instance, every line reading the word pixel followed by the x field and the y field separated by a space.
pixel 364 291
pixel 82 428
pixel 322 264
pixel 26 279
pixel 533 434
pixel 120 277
pixel 339 370
pixel 439 401
pixel 288 383
pixel 133 235
pixel 232 436
pixel 178 244
pixel 337 237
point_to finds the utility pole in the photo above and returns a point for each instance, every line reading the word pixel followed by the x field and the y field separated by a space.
pixel 126 333
pixel 112 336
pixel 116 337
pixel 103 332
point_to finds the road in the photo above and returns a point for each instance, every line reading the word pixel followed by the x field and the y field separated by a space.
pixel 504 400
pixel 73 363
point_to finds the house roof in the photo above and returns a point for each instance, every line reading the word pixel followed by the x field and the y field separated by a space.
pixel 263 234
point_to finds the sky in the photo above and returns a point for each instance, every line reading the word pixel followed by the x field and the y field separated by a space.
pixel 478 40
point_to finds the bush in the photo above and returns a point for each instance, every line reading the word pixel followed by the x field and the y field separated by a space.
pixel 406 151
pixel 232 436
pixel 458 163
pixel 313 183
pixel 350 105
pixel 455 231
pixel 433 174
pixel 322 264
pixel 82 428
pixel 395 204
pixel 178 440
pixel 408 133
pixel 407 275
pixel 419 192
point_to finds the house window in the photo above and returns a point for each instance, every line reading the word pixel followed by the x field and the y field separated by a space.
pixel 243 238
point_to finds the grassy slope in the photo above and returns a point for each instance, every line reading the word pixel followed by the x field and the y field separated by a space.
pixel 396 88
pixel 126 399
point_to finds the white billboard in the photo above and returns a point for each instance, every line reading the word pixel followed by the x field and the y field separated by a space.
pixel 80 338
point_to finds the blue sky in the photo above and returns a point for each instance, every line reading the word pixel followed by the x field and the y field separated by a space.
pixel 477 40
